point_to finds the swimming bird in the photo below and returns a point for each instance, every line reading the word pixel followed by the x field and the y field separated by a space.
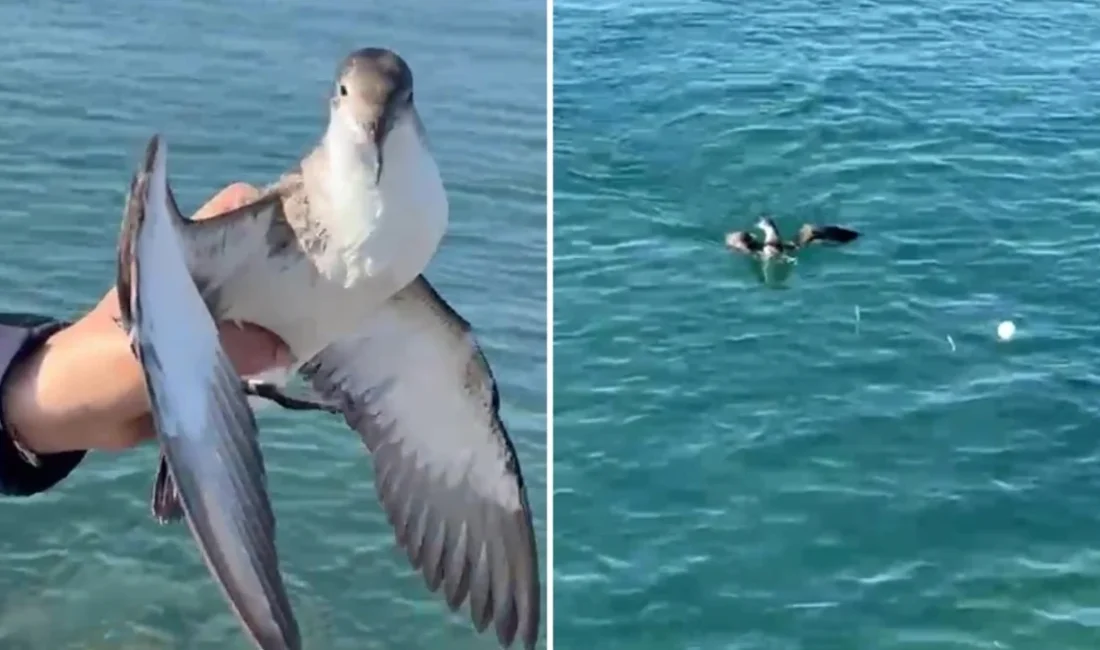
pixel 774 247
pixel 330 258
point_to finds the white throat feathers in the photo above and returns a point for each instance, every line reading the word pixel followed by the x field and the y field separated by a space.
pixel 389 229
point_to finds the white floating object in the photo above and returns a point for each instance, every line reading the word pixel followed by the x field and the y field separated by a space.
pixel 1006 330
pixel 951 341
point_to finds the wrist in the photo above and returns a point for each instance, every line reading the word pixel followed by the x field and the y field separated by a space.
pixel 13 392
pixel 21 348
pixel 23 473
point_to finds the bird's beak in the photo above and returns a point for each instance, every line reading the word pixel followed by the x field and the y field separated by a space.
pixel 377 131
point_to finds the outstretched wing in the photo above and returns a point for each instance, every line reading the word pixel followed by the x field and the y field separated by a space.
pixel 220 247
pixel 417 388
pixel 810 233
pixel 743 242
pixel 206 430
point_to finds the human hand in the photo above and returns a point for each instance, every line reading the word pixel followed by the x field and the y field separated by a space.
pixel 84 389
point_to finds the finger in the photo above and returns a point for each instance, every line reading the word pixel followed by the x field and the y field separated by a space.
pixel 106 309
pixel 252 349
pixel 233 196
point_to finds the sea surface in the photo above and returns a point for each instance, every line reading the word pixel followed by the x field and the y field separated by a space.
pixel 754 467
pixel 240 91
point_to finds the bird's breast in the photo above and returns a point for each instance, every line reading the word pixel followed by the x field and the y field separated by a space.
pixel 388 233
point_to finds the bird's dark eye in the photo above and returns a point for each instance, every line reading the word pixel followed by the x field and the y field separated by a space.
pixel 343 90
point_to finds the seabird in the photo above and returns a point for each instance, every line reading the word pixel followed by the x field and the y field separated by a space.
pixel 773 247
pixel 330 258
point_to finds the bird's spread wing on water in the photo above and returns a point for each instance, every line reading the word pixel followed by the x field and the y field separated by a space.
pixel 417 388
pixel 743 242
pixel 810 233
pixel 206 430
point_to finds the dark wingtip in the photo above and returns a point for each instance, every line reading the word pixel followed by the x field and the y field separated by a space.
pixel 165 502
pixel 529 634
pixel 834 234
pixel 841 235
pixel 133 213
pixel 124 257
pixel 151 149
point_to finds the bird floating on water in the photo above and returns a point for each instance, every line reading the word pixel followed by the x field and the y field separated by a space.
pixel 773 247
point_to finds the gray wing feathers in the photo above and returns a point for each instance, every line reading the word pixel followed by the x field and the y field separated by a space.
pixel 247 231
pixel 165 501
pixel 417 388
pixel 206 429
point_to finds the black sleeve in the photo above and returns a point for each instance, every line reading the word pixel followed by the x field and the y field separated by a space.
pixel 20 336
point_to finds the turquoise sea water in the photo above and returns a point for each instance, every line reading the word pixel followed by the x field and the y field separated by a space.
pixel 240 91
pixel 747 467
